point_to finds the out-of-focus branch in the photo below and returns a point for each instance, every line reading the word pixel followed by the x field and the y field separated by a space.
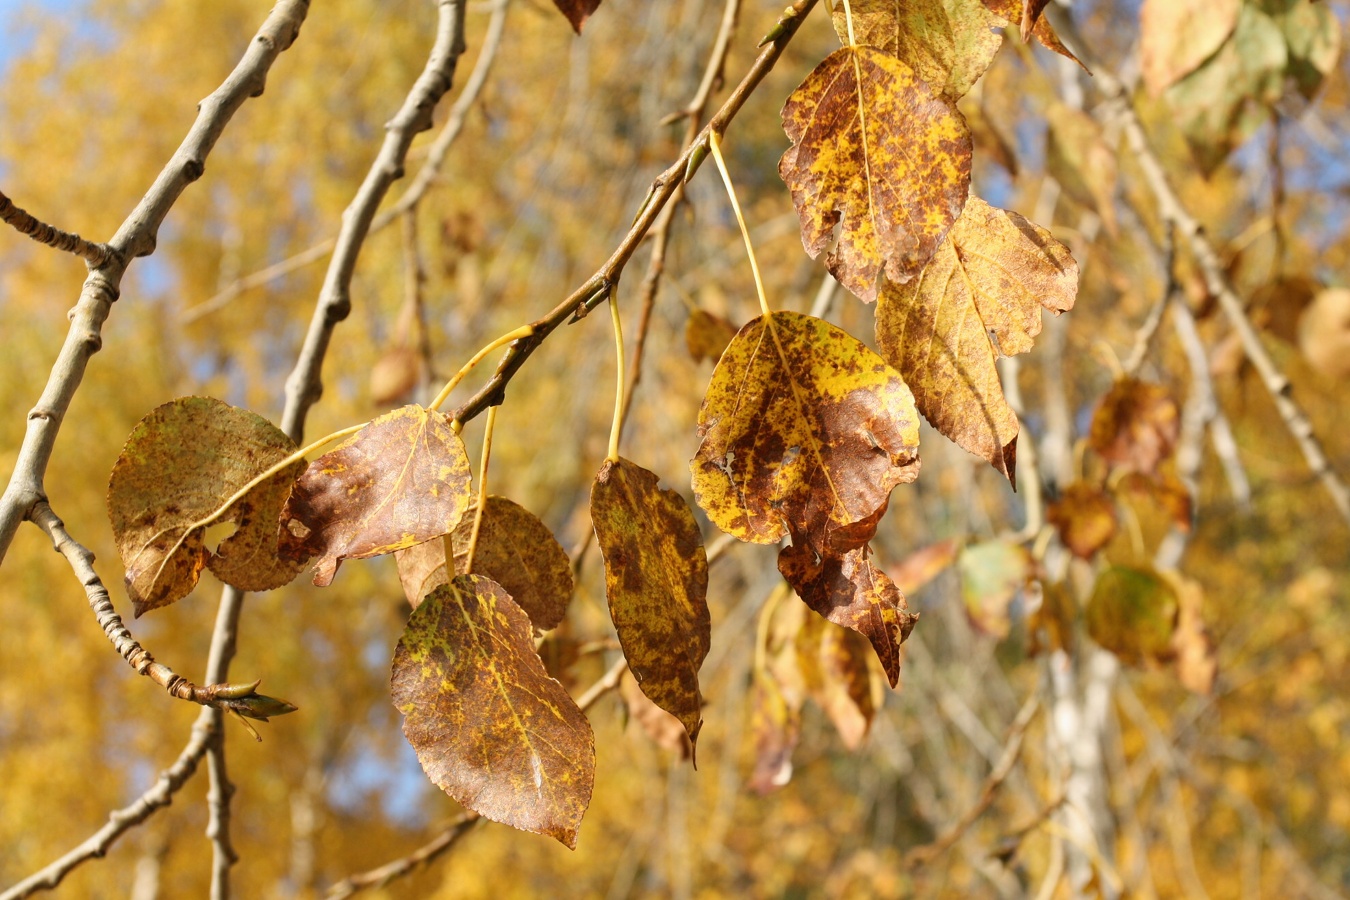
pixel 426 176
pixel 136 237
pixel 25 222
pixel 450 835
pixel 599 285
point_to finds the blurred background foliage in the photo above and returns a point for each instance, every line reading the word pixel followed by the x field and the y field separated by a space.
pixel 1239 792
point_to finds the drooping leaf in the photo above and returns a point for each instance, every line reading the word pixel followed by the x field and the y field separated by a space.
pixel 401 480
pixel 880 154
pixel 577 11
pixel 1176 36
pixel 980 297
pixel 948 43
pixel 661 727
pixel 515 549
pixel 1133 614
pixel 489 725
pixel 803 428
pixel 992 574
pixel 707 335
pixel 777 696
pixel 852 592
pixel 1085 517
pixel 1324 333
pixel 656 579
pixel 1031 23
pixel 180 464
pixel 834 668
pixel 1135 427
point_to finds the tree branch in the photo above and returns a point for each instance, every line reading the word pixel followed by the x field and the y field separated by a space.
pixel 136 237
pixel 25 223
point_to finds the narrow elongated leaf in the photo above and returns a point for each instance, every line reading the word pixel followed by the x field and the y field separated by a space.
pixel 948 43
pixel 803 427
pixel 489 725
pixel 179 465
pixel 777 696
pixel 851 592
pixel 880 154
pixel 515 549
pixel 401 480
pixel 980 297
pixel 656 579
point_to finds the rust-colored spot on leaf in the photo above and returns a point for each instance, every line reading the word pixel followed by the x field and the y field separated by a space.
pixel 180 463
pixel 980 297
pixel 401 480
pixel 803 428
pixel 1135 427
pixel 515 549
pixel 656 579
pixel 489 725
pixel 879 154
pixel 1085 517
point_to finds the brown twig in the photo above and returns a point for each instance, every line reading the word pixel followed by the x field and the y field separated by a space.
pixel 25 222
pixel 451 834
pixel 599 285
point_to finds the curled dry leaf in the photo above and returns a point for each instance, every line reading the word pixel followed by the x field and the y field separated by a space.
pixel 489 725
pixel 803 428
pixel 515 549
pixel 401 480
pixel 879 154
pixel 656 579
pixel 180 464
pixel 1031 24
pixel 1135 427
pixel 992 574
pixel 1196 659
pixel 851 592
pixel 979 298
pixel 1085 517
pixel 948 43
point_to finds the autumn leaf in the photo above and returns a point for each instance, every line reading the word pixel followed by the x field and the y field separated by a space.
pixel 656 579
pixel 515 549
pixel 948 43
pixel 980 297
pixel 707 335
pixel 777 695
pixel 1197 661
pixel 577 11
pixel 1177 36
pixel 834 668
pixel 401 480
pixel 923 565
pixel 1051 626
pixel 490 727
pixel 1085 517
pixel 1026 13
pixel 180 464
pixel 1133 614
pixel 1135 426
pixel 663 729
pixel 802 428
pixel 992 574
pixel 1082 160
pixel 852 592
pixel 879 154
pixel 1165 491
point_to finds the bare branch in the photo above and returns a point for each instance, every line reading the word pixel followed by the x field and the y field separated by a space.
pixel 25 222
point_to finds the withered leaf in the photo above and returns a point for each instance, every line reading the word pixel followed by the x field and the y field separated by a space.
pixel 515 549
pixel 852 592
pixel 180 464
pixel 992 574
pixel 489 725
pixel 707 335
pixel 656 579
pixel 880 154
pixel 777 696
pixel 948 43
pixel 1164 490
pixel 1133 614
pixel 577 11
pixel 1031 23
pixel 923 565
pixel 1135 427
pixel 803 428
pixel 401 480
pixel 395 375
pixel 1085 518
pixel 980 297
pixel 834 668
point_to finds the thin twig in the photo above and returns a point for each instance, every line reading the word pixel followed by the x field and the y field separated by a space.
pixel 426 176
pixel 136 237
pixel 451 834
pixel 25 222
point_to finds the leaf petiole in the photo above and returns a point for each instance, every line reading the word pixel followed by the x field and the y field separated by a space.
pixel 521 332
pixel 617 427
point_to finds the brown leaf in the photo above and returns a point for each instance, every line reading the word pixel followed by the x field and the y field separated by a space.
pixel 1135 427
pixel 577 11
pixel 1196 659
pixel 879 154
pixel 663 729
pixel 395 375
pixel 852 592
pixel 948 43
pixel 489 726
pixel 992 574
pixel 180 464
pixel 1085 518
pixel 515 549
pixel 1164 490
pixel 834 666
pixel 980 297
pixel 803 428
pixel 401 480
pixel 707 335
pixel 923 565
pixel 656 579
pixel 1176 36
pixel 777 726
pixel 1019 11
pixel 1051 626
pixel 1133 614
